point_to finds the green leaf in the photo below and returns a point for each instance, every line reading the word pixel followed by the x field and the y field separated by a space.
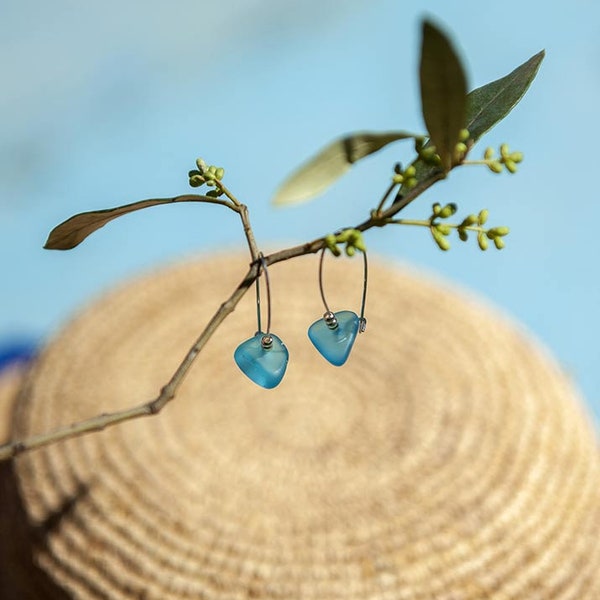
pixel 73 231
pixel 319 172
pixel 489 104
pixel 443 92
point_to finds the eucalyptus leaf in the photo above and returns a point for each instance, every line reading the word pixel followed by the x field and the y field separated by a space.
pixel 73 231
pixel 443 92
pixel 489 104
pixel 319 172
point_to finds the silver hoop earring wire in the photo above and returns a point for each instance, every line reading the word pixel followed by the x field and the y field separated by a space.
pixel 329 316
pixel 267 340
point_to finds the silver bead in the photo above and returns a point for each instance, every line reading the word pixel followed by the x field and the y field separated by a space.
pixel 330 320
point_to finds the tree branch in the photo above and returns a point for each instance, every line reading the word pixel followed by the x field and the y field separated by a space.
pixel 168 392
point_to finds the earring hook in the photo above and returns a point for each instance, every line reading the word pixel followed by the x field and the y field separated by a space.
pixel 329 316
pixel 267 339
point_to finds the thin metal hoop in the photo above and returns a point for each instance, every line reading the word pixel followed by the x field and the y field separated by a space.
pixel 267 339
pixel 329 316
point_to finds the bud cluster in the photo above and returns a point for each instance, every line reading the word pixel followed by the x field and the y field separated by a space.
pixel 427 152
pixel 209 175
pixel 507 159
pixel 353 238
pixel 471 223
pixel 406 177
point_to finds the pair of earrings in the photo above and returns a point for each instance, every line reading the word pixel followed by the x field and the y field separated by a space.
pixel 263 358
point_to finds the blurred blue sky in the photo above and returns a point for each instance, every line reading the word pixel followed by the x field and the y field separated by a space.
pixel 107 103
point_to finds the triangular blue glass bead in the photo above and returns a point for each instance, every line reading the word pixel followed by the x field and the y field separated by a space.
pixel 335 344
pixel 266 367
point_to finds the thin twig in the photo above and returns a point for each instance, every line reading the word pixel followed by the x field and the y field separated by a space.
pixel 385 196
pixel 252 246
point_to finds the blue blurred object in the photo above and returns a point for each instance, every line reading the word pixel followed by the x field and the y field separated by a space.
pixel 16 352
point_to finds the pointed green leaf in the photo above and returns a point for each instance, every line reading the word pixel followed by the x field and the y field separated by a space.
pixel 443 92
pixel 490 103
pixel 316 175
pixel 73 231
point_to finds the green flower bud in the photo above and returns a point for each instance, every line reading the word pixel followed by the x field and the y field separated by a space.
pixel 350 251
pixel 436 208
pixel 411 182
pixel 353 235
pixel 212 169
pixel 398 178
pixel 193 172
pixel 196 180
pixel 470 220
pixel 489 152
pixel 495 166
pixel 498 232
pixel 219 173
pixel 460 148
pixel 429 156
pixel 516 157
pixel 463 235
pixel 510 165
pixel 331 244
pixel 343 236
pixel 360 245
pixel 504 151
pixel 443 229
pixel 440 240
pixel 482 241
pixel 499 243
pixel 410 171
pixel 447 211
pixel 482 217
pixel 201 165
pixel 463 135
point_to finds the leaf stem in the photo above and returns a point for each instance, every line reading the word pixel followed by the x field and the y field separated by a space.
pixel 430 223
pixel 417 222
pixel 482 161
pixel 386 195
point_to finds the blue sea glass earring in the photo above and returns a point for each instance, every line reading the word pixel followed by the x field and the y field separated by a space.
pixel 263 358
pixel 334 335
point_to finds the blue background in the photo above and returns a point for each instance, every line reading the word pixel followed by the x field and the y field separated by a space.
pixel 107 103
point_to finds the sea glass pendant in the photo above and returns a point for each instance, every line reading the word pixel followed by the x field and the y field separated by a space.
pixel 333 335
pixel 263 358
